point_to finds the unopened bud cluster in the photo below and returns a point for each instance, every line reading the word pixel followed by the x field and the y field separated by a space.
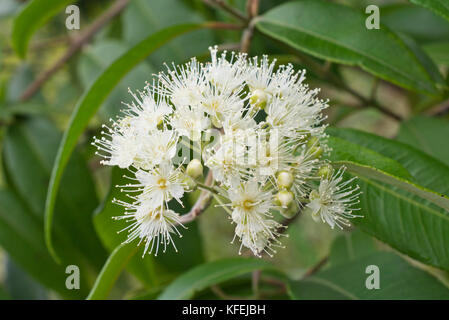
pixel 266 160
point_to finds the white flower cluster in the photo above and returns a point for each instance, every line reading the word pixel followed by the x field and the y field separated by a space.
pixel 265 156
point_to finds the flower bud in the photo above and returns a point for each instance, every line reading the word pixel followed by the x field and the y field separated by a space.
pixel 326 171
pixel 194 168
pixel 284 179
pixel 284 198
pixel 314 195
pixel 189 182
pixel 259 98
pixel 290 211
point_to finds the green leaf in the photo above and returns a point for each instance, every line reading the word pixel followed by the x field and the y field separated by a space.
pixel 438 51
pixel 404 220
pixel 3 294
pixel 320 28
pixel 351 246
pixel 21 235
pixel 426 26
pixel 370 164
pixel 398 280
pixel 203 276
pixel 30 148
pixel 33 16
pixel 20 285
pixel 91 101
pixel 440 7
pixel 427 134
pixel 96 59
pixel 144 17
pixel 116 262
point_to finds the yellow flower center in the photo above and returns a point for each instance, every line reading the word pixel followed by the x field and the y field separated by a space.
pixel 248 204
pixel 162 183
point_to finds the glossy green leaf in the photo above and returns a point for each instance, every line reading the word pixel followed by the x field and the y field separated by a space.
pixel 346 281
pixel 29 151
pixel 440 7
pixel 91 101
pixel 206 275
pixel 320 28
pixel 33 15
pixel 427 134
pixel 115 264
pixel 372 165
pixel 404 220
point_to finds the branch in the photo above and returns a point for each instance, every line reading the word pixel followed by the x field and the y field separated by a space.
pixel 247 36
pixel 252 8
pixel 316 267
pixel 76 45
pixel 201 203
pixel 440 109
pixel 225 7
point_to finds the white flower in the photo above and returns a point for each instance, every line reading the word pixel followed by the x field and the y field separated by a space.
pixel 219 104
pixel 266 154
pixel 254 224
pixel 260 75
pixel 227 158
pixel 160 185
pixel 147 112
pixel 334 200
pixel 152 226
pixel 190 122
pixel 184 85
pixel 226 75
pixel 273 154
pixel 119 145
pixel 158 147
pixel 303 169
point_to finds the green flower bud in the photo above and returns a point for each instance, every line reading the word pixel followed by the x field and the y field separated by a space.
pixel 314 195
pixel 259 98
pixel 194 168
pixel 189 182
pixel 326 171
pixel 284 198
pixel 290 211
pixel 284 179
